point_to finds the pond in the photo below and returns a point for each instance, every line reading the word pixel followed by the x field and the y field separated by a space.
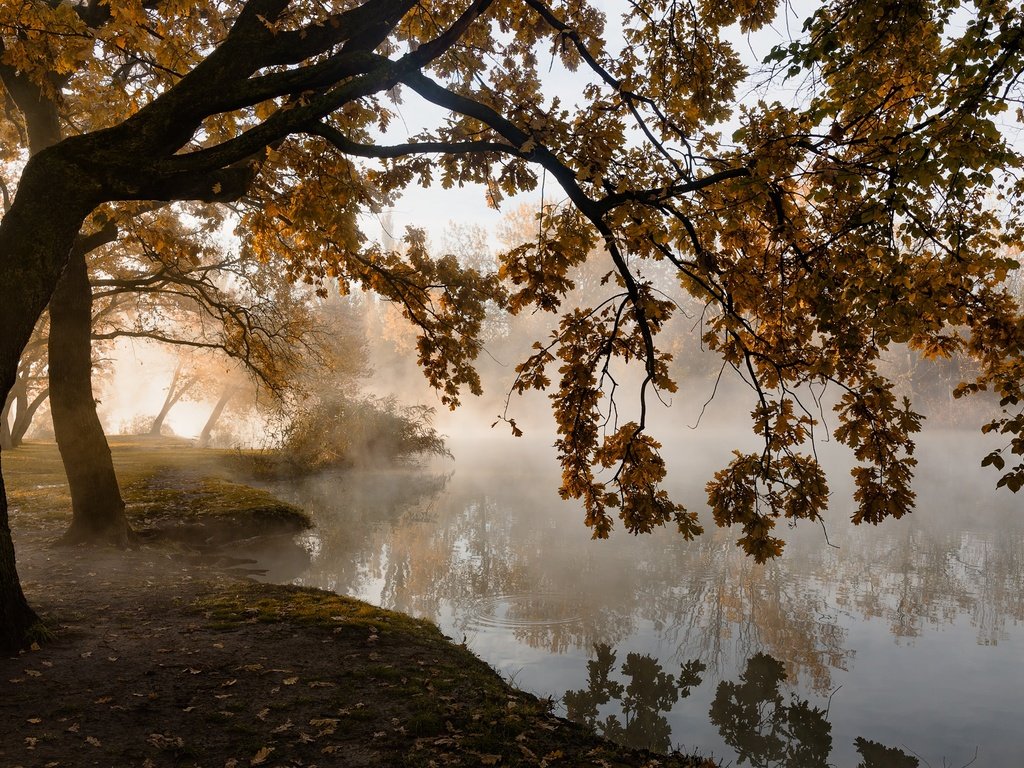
pixel 894 645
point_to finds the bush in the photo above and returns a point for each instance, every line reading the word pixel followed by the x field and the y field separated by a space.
pixel 347 432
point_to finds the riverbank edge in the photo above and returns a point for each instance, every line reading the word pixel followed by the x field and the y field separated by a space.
pixel 167 655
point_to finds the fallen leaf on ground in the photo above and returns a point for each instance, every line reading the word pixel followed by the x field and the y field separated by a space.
pixel 261 757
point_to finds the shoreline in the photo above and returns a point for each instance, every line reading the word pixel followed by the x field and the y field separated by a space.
pixel 166 655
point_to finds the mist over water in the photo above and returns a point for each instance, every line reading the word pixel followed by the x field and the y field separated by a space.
pixel 906 636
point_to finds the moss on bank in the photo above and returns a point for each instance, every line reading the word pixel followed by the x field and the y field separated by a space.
pixel 169 488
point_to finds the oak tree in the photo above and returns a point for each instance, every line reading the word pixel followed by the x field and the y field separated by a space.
pixel 873 210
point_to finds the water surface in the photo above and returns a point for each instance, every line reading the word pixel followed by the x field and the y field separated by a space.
pixel 872 646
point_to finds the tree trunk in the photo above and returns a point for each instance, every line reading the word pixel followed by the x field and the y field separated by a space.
pixel 19 411
pixel 16 617
pixel 218 409
pixel 174 394
pixel 23 419
pixel 6 440
pixel 36 235
pixel 96 504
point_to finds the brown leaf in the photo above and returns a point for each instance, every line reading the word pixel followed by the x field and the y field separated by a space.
pixel 261 757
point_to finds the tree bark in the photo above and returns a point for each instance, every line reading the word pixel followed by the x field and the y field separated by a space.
pixel 218 409
pixel 16 617
pixel 36 236
pixel 96 503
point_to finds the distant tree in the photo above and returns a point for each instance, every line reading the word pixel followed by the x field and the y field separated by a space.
pixel 227 394
pixel 818 233
pixel 182 382
pixel 30 391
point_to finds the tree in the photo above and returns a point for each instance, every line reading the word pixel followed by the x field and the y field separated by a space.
pixel 96 503
pixel 29 392
pixel 817 235
pixel 181 383
pixel 230 390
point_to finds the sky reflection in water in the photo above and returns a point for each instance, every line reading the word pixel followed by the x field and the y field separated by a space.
pixel 899 640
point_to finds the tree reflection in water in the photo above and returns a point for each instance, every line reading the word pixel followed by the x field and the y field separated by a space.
pixel 755 719
pixel 766 727
pixel 649 694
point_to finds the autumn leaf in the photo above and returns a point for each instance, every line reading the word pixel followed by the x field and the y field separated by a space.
pixel 261 756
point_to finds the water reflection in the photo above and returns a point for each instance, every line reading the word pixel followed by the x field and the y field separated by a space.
pixel 643 701
pixel 765 728
pixel 499 561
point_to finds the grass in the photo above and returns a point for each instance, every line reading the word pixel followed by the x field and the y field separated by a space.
pixel 165 482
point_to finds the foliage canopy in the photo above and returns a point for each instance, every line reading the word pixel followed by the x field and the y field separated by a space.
pixel 878 207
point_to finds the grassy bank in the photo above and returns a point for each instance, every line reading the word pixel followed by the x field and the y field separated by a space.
pixel 163 658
